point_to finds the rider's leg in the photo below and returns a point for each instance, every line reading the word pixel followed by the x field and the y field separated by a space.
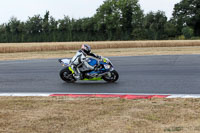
pixel 89 67
pixel 77 72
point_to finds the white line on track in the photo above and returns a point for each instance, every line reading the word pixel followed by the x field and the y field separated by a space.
pixel 48 94
pixel 25 94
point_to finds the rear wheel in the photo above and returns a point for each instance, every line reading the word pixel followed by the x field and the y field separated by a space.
pixel 112 77
pixel 67 76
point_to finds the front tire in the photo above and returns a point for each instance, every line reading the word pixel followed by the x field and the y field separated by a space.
pixel 114 76
pixel 66 75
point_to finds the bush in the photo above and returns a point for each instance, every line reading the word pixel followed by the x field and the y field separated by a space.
pixel 195 38
pixel 182 37
pixel 187 32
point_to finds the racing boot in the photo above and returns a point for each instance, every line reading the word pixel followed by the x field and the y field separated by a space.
pixel 78 75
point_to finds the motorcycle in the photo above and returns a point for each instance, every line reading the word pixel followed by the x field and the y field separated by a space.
pixel 104 70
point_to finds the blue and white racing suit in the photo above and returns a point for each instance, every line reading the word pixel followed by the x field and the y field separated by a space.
pixel 80 59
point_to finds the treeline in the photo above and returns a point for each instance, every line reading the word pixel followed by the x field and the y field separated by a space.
pixel 114 20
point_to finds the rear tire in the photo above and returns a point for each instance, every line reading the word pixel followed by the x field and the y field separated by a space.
pixel 66 75
pixel 114 76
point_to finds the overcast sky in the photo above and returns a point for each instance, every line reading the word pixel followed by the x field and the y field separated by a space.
pixel 72 8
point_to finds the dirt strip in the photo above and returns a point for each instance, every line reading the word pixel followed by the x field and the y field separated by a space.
pixel 56 46
pixel 103 52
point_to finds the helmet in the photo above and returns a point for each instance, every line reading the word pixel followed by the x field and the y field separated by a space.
pixel 86 48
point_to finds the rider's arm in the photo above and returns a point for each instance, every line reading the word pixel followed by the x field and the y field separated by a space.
pixel 94 55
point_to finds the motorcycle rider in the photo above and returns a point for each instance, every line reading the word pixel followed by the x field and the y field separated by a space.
pixel 80 58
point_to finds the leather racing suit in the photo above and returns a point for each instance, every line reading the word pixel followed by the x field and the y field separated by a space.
pixel 79 59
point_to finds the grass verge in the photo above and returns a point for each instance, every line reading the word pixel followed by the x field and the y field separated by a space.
pixel 55 46
pixel 103 52
pixel 63 114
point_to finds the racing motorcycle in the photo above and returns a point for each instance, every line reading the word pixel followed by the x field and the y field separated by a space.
pixel 104 70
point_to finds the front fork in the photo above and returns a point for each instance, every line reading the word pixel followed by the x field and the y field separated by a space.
pixel 109 73
pixel 70 68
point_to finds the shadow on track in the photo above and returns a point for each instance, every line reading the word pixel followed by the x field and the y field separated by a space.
pixel 91 83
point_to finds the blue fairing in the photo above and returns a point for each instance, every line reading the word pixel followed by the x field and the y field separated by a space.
pixel 102 63
pixel 92 62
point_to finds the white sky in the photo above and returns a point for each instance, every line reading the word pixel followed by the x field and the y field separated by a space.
pixel 72 8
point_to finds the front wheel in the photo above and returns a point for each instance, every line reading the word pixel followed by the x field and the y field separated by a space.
pixel 66 75
pixel 111 77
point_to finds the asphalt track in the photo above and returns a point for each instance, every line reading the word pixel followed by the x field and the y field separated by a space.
pixel 167 74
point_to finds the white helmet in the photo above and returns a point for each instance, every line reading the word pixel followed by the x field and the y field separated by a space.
pixel 86 48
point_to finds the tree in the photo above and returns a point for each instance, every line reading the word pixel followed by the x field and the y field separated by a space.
pixel 3 33
pixel 170 29
pixel 65 29
pixel 107 17
pixel 187 32
pixel 118 18
pixel 15 29
pixel 155 25
pixel 53 24
pixel 187 13
pixel 14 25
pixel 45 22
pixel 34 29
pixel 34 24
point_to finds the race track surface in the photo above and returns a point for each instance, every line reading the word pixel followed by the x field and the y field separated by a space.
pixel 179 74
